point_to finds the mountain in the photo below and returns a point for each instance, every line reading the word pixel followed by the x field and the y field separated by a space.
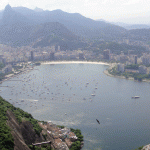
pixel 75 22
pixel 22 26
pixel 12 17
pixel 137 26
pixel 42 35
pixel 127 26
pixel 38 9
pixel 54 33
pixel 132 26
pixel 18 30
pixel 139 34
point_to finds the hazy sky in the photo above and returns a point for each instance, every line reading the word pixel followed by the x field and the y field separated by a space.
pixel 109 10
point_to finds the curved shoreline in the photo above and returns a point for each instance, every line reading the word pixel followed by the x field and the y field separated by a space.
pixel 82 62
pixel 75 62
pixel 122 77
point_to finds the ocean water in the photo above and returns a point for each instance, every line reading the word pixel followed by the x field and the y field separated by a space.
pixel 75 95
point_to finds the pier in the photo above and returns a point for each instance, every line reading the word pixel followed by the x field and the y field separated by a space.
pixel 37 144
pixel 15 80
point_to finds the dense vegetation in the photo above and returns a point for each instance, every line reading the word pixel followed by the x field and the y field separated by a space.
pixel 61 127
pixel 1 66
pixel 140 148
pixel 2 76
pixel 21 115
pixel 77 144
pixel 132 66
pixel 117 48
pixel 6 139
pixel 43 147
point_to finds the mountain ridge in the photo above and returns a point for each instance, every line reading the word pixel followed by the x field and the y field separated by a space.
pixel 18 26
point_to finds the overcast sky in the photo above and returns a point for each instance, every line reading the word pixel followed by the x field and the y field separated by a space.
pixel 109 10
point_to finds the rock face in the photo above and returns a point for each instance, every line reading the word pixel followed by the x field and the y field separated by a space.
pixel 23 134
pixel 16 132
pixel 147 147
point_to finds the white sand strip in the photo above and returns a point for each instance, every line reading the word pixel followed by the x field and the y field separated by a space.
pixel 74 62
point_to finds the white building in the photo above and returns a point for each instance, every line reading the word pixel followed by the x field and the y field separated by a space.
pixel 142 69
pixel 120 67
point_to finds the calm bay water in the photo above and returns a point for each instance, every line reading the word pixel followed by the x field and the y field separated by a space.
pixel 62 94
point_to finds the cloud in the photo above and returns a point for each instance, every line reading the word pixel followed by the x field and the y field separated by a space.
pixel 104 1
pixel 132 2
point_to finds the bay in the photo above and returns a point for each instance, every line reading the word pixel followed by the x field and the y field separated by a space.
pixel 75 95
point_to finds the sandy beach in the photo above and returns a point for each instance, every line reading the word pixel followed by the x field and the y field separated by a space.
pixel 74 62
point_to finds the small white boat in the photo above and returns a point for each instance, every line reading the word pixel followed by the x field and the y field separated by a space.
pixel 136 97
pixel 92 94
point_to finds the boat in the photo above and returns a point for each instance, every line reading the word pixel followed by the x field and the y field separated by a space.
pixel 92 94
pixel 135 96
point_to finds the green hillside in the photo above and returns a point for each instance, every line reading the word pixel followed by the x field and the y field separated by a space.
pixel 6 138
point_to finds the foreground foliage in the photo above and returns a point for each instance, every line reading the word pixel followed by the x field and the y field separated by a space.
pixel 140 148
pixel 77 144
pixel 6 139
pixel 43 147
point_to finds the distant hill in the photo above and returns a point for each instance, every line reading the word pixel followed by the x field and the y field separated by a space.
pixel 18 30
pixel 139 34
pixel 42 35
pixel 75 22
pixel 22 26
pixel 11 17
pixel 38 9
pixel 127 26
pixel 132 26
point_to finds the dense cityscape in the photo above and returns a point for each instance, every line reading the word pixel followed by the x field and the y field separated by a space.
pixel 124 63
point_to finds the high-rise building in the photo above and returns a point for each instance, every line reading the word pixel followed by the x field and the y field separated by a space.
pixel 120 67
pixel 135 59
pixel 106 54
pixel 81 56
pixel 130 52
pixel 52 56
pixel 57 48
pixel 142 69
pixel 32 57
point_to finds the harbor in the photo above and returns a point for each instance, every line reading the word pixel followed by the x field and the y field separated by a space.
pixel 62 94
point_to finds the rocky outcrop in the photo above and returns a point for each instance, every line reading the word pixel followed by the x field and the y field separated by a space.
pixel 16 132
pixel 147 147
pixel 23 133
